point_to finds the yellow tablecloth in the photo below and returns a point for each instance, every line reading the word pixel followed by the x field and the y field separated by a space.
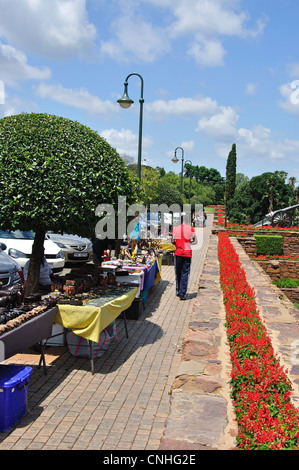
pixel 158 275
pixel 89 321
pixel 167 246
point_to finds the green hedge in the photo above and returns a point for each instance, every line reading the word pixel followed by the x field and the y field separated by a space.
pixel 269 244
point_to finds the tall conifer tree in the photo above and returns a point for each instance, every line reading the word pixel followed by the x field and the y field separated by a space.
pixel 231 167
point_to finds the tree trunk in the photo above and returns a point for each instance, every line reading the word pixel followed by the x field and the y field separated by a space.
pixel 32 283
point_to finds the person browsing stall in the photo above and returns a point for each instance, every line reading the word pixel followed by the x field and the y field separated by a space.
pixel 45 275
pixel 183 236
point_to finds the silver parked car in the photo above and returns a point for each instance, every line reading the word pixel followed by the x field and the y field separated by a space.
pixel 11 274
pixel 74 248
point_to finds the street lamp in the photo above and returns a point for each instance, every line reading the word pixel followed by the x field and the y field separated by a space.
pixel 125 102
pixel 175 160
pixel 189 161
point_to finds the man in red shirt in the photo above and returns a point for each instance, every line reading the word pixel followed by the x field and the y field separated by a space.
pixel 183 236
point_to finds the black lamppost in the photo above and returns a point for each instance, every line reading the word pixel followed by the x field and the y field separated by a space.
pixel 175 160
pixel 125 102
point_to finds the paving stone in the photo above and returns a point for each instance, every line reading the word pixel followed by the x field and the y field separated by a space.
pixel 196 418
pixel 202 350
pixel 202 384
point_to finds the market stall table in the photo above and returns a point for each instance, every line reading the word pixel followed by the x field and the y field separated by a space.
pixel 153 274
pixel 168 249
pixel 31 332
pixel 90 319
pixel 144 275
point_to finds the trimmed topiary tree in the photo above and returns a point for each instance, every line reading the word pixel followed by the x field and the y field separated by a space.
pixel 54 173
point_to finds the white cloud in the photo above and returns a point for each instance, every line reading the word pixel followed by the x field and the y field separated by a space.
pixel 2 92
pixel 294 70
pixel 202 23
pixel 14 67
pixel 251 88
pixel 58 29
pixel 290 93
pixel 221 125
pixel 135 39
pixel 207 17
pixel 15 104
pixel 61 29
pixel 188 145
pixel 197 106
pixel 259 142
pixel 210 21
pixel 209 53
pixel 125 141
pixel 80 99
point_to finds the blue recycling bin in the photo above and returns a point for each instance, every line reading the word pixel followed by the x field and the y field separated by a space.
pixel 14 382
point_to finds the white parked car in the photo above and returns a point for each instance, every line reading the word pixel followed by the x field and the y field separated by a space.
pixel 19 247
pixel 75 249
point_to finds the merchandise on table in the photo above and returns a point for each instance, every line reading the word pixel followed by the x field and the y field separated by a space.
pixel 12 316
pixel 97 298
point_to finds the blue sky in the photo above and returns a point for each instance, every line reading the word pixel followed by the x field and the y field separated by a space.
pixel 216 72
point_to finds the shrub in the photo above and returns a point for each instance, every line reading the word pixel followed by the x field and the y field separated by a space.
pixel 269 244
pixel 287 283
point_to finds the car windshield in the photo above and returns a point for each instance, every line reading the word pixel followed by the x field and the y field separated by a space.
pixel 17 234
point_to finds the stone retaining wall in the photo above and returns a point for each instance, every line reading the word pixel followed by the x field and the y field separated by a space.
pixel 248 244
pixel 290 241
pixel 291 294
pixel 281 269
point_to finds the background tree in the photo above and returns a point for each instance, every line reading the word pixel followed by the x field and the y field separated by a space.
pixel 292 181
pixel 150 178
pixel 55 172
pixel 167 194
pixel 254 199
pixel 241 207
pixel 172 178
pixel 128 159
pixel 271 190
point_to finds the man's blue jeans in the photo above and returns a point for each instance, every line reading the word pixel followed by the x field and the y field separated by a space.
pixel 182 266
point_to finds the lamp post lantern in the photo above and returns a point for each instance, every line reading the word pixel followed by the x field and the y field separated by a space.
pixel 175 160
pixel 125 102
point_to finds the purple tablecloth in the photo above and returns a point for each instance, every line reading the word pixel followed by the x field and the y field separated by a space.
pixel 150 273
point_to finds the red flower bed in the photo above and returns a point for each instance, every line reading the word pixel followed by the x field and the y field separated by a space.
pixel 238 234
pixel 275 257
pixel 260 388
pixel 234 226
pixel 220 215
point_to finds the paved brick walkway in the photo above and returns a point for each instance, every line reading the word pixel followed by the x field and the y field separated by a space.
pixel 126 403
